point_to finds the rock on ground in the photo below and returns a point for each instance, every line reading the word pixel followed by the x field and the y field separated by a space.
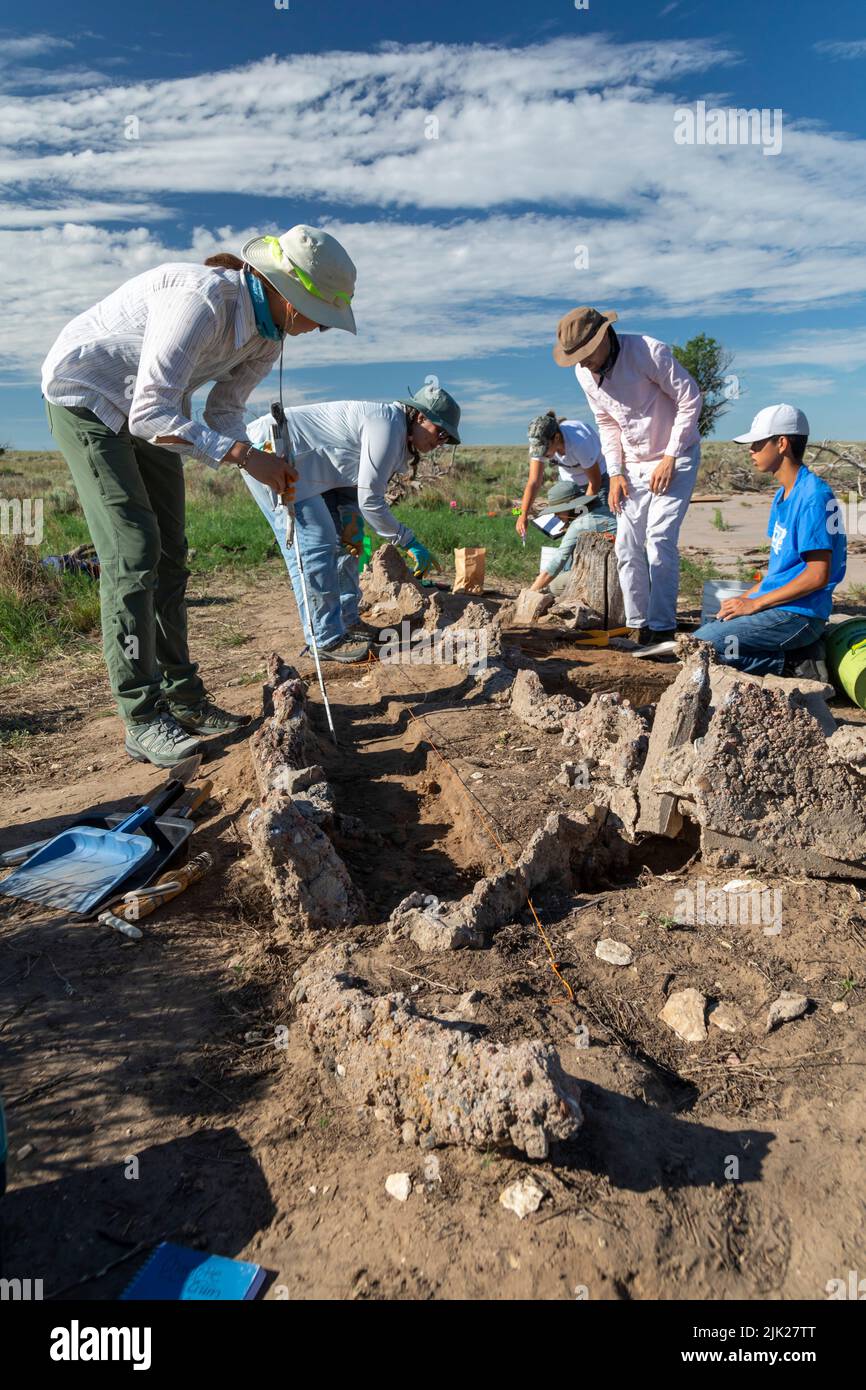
pixel 522 1197
pixel 787 1007
pixel 684 1013
pixel 455 1088
pixel 537 710
pixel 750 761
pixel 388 592
pixel 530 605
pixel 614 952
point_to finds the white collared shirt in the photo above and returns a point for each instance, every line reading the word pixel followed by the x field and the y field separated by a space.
pixel 347 444
pixel 140 353
pixel 647 406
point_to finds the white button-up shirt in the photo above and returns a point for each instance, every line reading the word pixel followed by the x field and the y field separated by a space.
pixel 140 353
pixel 347 444
pixel 646 407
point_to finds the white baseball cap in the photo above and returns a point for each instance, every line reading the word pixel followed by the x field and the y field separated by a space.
pixel 774 420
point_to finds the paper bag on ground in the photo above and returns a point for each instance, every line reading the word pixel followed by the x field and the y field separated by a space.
pixel 469 570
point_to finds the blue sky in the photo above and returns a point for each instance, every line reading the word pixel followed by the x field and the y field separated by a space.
pixel 553 129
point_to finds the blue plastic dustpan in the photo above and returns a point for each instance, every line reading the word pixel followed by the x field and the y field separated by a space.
pixel 80 866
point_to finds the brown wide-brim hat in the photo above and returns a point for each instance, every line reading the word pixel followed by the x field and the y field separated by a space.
pixel 579 333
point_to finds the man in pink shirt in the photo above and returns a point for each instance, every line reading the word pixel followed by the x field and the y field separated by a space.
pixel 646 407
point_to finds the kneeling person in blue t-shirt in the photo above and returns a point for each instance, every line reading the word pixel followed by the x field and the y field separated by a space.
pixel 775 628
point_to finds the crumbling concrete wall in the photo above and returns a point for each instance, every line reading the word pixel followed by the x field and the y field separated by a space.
pixel 308 881
pixel 535 708
pixel 388 593
pixel 437 1077
pixel 577 846
pixel 760 765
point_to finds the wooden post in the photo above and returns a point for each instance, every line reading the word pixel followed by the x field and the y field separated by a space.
pixel 593 579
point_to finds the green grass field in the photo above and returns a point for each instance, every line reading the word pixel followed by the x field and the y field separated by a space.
pixel 42 612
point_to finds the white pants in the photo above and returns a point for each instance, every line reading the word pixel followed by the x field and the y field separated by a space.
pixel 647 533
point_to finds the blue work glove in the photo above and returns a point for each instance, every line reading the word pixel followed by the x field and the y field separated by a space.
pixel 422 557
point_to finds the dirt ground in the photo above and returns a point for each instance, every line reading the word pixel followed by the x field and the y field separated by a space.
pixel 727 1169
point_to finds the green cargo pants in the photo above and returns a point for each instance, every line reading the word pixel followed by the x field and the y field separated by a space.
pixel 132 494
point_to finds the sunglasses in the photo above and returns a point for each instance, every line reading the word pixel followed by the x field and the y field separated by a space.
pixel 756 445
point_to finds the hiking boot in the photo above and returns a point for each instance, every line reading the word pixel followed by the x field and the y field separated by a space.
pixel 350 648
pixel 208 719
pixel 661 634
pixel 160 741
pixel 641 635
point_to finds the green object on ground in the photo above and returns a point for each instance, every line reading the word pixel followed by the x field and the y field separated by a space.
pixel 846 658
pixel 132 495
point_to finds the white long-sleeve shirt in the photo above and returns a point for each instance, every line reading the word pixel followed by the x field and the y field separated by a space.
pixel 347 444
pixel 140 353
pixel 646 407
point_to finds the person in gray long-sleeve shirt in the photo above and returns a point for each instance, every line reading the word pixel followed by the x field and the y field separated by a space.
pixel 346 453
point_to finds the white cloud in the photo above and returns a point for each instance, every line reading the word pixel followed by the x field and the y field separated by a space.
pixel 842 48
pixel 471 246
pixel 30 46
pixel 842 349
pixel 790 387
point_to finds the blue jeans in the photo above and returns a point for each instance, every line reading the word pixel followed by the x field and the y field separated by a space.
pixel 759 642
pixel 331 571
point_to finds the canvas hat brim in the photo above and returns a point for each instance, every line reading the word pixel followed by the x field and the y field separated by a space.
pixel 257 254
pixel 432 415
pixel 580 354
pixel 580 504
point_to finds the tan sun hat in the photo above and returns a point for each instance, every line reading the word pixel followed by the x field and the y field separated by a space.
pixel 579 333
pixel 311 270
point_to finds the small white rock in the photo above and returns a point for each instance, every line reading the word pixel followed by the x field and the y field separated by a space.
pixel 522 1197
pixel 398 1186
pixel 839 1007
pixel 684 1013
pixel 431 1168
pixel 727 1016
pixel 614 952
pixel 744 885
pixel 787 1007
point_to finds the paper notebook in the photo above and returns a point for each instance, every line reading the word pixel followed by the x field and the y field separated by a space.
pixel 549 523
pixel 174 1272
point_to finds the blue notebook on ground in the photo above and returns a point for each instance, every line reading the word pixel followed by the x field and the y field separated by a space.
pixel 174 1272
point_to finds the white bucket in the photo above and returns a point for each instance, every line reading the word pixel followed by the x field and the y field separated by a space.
pixel 548 554
pixel 716 591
